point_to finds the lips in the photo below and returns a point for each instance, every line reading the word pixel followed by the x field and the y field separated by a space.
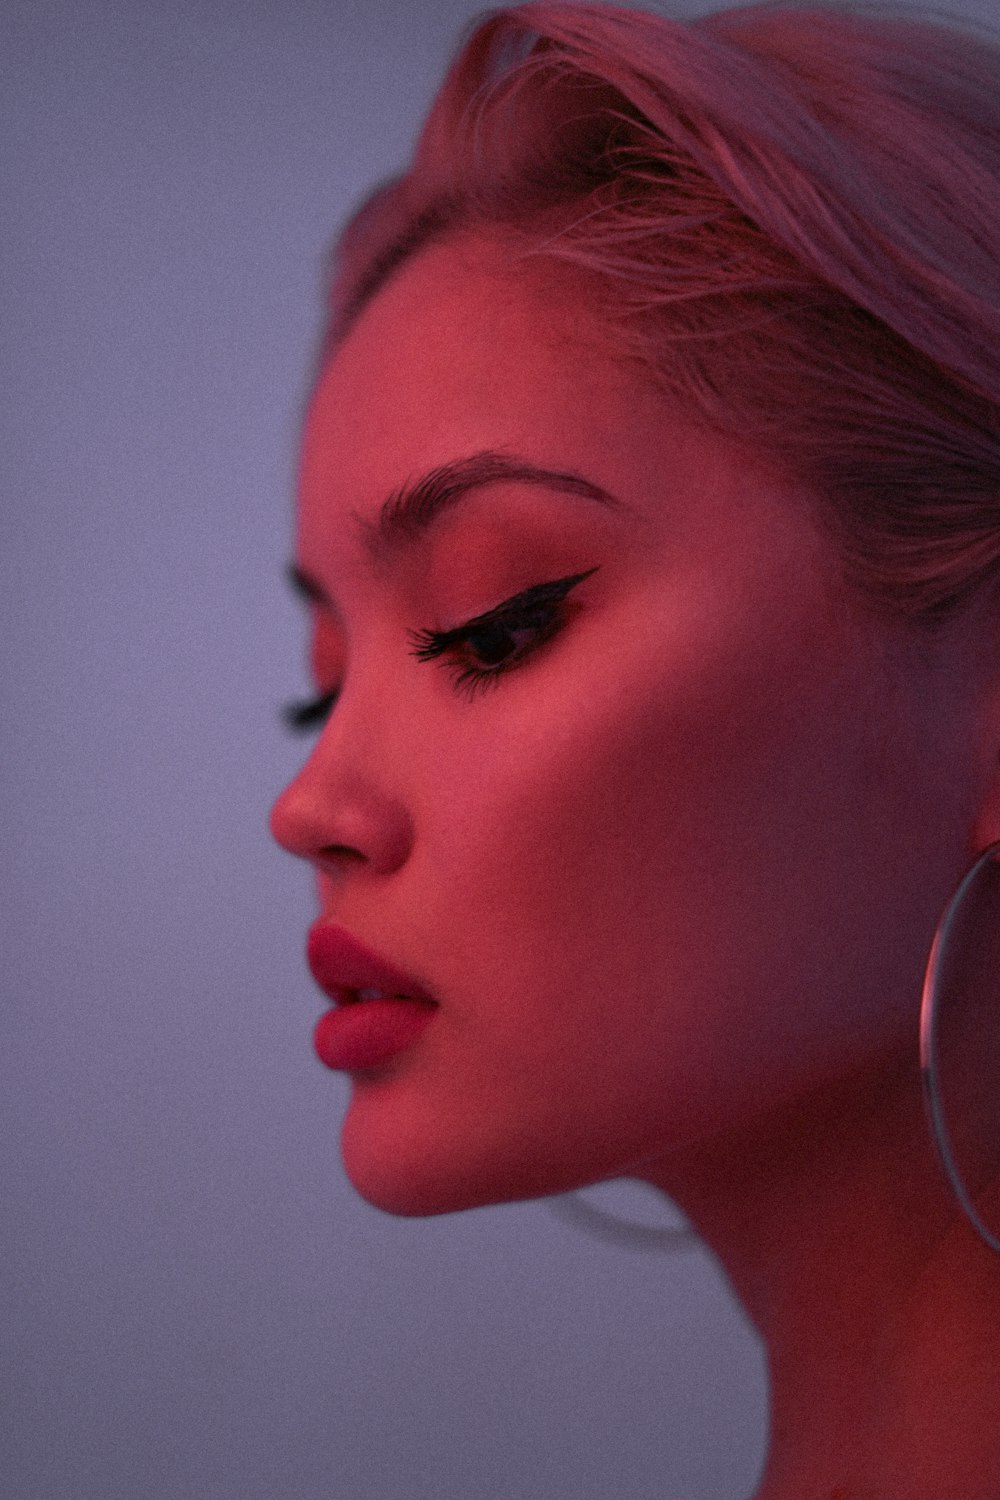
pixel 343 967
pixel 378 1010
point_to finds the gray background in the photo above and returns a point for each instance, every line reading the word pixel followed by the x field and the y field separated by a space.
pixel 195 1303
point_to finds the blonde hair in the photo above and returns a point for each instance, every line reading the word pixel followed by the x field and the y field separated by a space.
pixel 795 212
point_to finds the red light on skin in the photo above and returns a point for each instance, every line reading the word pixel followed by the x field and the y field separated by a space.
pixel 361 1033
pixel 366 1033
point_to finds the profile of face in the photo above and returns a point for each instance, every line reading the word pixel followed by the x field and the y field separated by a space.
pixel 667 848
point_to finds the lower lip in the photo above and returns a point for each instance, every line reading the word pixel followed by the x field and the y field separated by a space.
pixel 366 1033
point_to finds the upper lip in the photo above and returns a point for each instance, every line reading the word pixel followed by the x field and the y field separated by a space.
pixel 341 965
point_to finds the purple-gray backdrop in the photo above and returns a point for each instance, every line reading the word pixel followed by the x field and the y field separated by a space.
pixel 195 1302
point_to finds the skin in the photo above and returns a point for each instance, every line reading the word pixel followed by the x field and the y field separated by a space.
pixel 672 879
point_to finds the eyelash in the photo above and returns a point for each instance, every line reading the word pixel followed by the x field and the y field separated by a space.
pixel 537 608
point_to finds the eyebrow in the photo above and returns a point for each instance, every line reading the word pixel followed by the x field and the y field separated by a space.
pixel 410 512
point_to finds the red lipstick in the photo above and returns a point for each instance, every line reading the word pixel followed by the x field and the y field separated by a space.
pixel 363 1030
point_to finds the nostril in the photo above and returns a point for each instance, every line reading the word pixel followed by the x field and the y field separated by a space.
pixel 338 852
pixel 310 813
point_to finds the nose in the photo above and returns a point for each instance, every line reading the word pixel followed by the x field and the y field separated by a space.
pixel 338 811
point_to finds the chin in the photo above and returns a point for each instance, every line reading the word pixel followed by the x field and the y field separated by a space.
pixel 412 1184
pixel 413 1189
pixel 419 1170
pixel 413 1196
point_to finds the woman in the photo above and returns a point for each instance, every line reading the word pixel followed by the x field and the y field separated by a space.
pixel 650 526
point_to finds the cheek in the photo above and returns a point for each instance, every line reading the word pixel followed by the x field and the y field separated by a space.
pixel 648 852
pixel 628 780
pixel 658 904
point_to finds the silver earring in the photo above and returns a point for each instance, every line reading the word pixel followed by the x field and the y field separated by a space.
pixel 632 1234
pixel 966 943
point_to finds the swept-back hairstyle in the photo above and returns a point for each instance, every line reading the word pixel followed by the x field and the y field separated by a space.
pixel 794 212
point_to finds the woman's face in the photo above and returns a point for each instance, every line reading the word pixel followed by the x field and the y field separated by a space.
pixel 678 866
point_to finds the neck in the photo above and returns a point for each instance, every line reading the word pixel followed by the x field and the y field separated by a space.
pixel 879 1304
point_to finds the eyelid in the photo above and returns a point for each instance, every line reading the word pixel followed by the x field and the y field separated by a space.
pixel 300 716
pixel 434 642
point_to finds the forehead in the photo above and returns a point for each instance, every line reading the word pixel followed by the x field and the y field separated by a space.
pixel 463 351
pixel 469 285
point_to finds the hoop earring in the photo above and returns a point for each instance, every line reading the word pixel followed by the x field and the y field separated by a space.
pixel 574 1209
pixel 942 965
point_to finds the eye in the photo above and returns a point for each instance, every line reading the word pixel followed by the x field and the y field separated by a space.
pixel 307 713
pixel 536 613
